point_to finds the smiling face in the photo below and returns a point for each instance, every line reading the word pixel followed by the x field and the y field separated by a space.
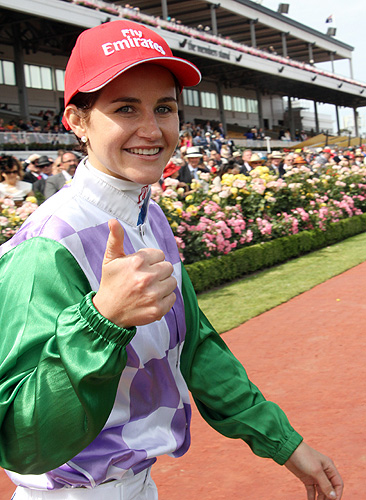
pixel 132 129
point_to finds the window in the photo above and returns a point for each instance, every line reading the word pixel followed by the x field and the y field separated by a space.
pixel 227 103
pixel 240 104
pixel 252 106
pixel 38 77
pixel 7 73
pixel 60 79
pixel 208 100
pixel 190 97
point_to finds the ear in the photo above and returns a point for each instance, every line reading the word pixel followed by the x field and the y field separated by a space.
pixel 75 120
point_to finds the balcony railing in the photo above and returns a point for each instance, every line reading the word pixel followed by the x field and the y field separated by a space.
pixel 31 138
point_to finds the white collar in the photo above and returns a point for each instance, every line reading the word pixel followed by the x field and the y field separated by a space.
pixel 127 201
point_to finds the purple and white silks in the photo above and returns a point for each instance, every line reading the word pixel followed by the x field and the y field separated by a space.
pixel 151 414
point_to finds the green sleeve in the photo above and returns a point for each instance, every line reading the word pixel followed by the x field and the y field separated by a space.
pixel 60 360
pixel 224 395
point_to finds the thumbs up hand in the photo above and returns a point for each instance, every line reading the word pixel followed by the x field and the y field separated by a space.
pixel 136 289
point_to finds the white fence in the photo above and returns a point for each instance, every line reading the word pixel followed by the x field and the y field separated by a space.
pixel 32 138
pixel 27 138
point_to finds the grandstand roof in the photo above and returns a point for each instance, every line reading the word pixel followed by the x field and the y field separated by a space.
pixel 52 26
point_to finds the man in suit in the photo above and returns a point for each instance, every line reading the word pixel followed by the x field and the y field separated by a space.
pixel 32 171
pixel 193 165
pixel 69 162
pixel 246 157
pixel 44 164
pixel 276 166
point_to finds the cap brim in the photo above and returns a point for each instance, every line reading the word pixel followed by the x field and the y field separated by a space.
pixel 185 72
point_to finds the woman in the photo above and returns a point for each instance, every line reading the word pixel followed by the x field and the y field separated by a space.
pixel 12 186
pixel 98 358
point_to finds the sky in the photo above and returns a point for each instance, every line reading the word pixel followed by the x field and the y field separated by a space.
pixel 349 19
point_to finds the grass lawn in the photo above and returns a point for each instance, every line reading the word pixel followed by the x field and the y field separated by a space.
pixel 233 304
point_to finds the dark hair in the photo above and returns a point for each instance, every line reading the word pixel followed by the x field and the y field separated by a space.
pixel 7 162
pixel 84 101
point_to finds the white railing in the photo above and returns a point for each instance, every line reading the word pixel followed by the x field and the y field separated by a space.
pixel 27 138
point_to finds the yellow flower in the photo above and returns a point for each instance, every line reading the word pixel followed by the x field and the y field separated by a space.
pixel 189 198
pixel 216 198
pixel 192 209
pixel 174 225
pixel 32 199
pixel 234 191
pixel 227 179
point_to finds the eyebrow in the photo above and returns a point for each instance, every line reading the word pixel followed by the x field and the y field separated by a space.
pixel 138 101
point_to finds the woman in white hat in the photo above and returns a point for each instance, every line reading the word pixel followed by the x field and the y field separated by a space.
pixel 102 337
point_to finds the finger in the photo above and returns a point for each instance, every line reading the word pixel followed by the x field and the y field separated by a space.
pixel 168 286
pixel 114 248
pixel 310 490
pixel 325 486
pixel 151 256
pixel 167 303
pixel 163 270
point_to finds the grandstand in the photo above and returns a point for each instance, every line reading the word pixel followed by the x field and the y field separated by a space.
pixel 250 56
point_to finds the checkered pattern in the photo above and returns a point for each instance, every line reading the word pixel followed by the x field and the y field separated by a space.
pixel 151 413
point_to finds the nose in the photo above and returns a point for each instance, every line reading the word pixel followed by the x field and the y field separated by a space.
pixel 149 127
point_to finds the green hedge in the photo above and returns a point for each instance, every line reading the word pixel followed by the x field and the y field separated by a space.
pixel 213 272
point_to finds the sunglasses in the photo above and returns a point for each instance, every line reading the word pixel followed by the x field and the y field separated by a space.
pixel 10 171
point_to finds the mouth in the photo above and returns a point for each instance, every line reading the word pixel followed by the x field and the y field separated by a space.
pixel 144 151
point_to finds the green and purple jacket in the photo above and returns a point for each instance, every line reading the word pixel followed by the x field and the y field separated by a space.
pixel 83 401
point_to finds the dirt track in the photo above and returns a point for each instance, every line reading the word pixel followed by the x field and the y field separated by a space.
pixel 308 355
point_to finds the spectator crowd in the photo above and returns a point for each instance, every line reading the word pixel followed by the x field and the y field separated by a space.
pixel 209 184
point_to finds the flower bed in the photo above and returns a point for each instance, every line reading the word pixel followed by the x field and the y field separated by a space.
pixel 13 216
pixel 244 210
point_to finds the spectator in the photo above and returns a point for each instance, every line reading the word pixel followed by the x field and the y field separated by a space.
pixel 11 185
pixel 69 162
pixel 32 171
pixel 299 160
pixel 190 170
pixel 255 161
pixel 276 167
pixel 287 163
pixel 246 157
pixel 45 166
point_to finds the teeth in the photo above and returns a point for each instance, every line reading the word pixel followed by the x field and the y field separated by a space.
pixel 139 151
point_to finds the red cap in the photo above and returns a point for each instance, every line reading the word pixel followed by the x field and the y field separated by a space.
pixel 104 52
pixel 327 150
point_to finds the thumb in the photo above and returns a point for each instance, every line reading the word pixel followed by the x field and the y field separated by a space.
pixel 114 248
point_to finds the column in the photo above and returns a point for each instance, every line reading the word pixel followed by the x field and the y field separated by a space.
pixel 355 114
pixel 284 44
pixel 292 125
pixel 311 57
pixel 213 19
pixel 164 8
pixel 350 68
pixel 260 109
pixel 337 118
pixel 19 74
pixel 316 118
pixel 221 105
pixel 332 61
pixel 252 32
